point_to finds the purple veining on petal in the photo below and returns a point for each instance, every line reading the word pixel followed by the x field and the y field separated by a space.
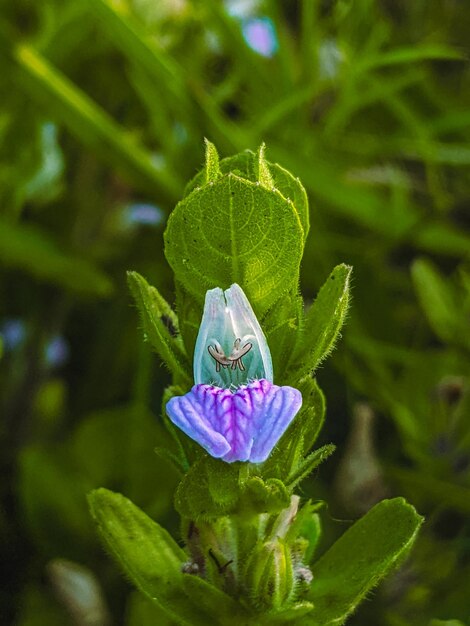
pixel 281 406
pixel 243 425
pixel 185 412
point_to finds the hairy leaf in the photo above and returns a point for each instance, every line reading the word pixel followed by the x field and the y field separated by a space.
pixel 355 564
pixel 147 554
pixel 307 465
pixel 235 231
pixel 209 489
pixel 323 323
pixel 160 326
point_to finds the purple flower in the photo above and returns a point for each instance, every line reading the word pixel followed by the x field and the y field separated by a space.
pixel 260 35
pixel 234 411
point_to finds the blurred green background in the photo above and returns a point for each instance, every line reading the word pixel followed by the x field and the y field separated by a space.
pixel 104 107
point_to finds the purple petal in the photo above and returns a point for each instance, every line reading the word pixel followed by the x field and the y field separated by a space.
pixel 279 407
pixel 229 414
pixel 185 412
pixel 241 426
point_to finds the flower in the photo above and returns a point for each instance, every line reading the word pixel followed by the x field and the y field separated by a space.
pixel 234 410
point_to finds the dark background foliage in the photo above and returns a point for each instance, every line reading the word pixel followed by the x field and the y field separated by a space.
pixel 103 113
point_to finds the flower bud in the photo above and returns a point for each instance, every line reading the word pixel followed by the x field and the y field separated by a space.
pixel 269 575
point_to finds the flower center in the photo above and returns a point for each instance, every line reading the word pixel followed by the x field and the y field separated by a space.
pixel 234 359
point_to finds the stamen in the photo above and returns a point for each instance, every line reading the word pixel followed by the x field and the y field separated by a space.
pixel 235 359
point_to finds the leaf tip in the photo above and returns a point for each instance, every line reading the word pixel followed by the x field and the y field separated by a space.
pixel 263 173
pixel 211 168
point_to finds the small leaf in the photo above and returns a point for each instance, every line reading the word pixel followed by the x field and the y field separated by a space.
pixel 308 464
pixel 160 326
pixel 211 168
pixel 312 531
pixel 357 562
pixel 323 323
pixel 307 525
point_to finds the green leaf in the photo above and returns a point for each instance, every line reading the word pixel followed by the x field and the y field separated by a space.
pixel 160 326
pixel 210 489
pixel 311 530
pixel 281 325
pixel 140 611
pixel 323 323
pixel 313 412
pixel 307 526
pixel 146 551
pixel 437 299
pixel 246 164
pixel 147 554
pixel 357 562
pixel 30 250
pixel 213 600
pixel 235 231
pixel 307 465
pixel 293 190
pixel 152 559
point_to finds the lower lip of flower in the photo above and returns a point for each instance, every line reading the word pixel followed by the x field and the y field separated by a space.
pixel 240 424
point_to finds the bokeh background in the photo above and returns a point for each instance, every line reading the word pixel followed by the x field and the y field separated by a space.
pixel 104 107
